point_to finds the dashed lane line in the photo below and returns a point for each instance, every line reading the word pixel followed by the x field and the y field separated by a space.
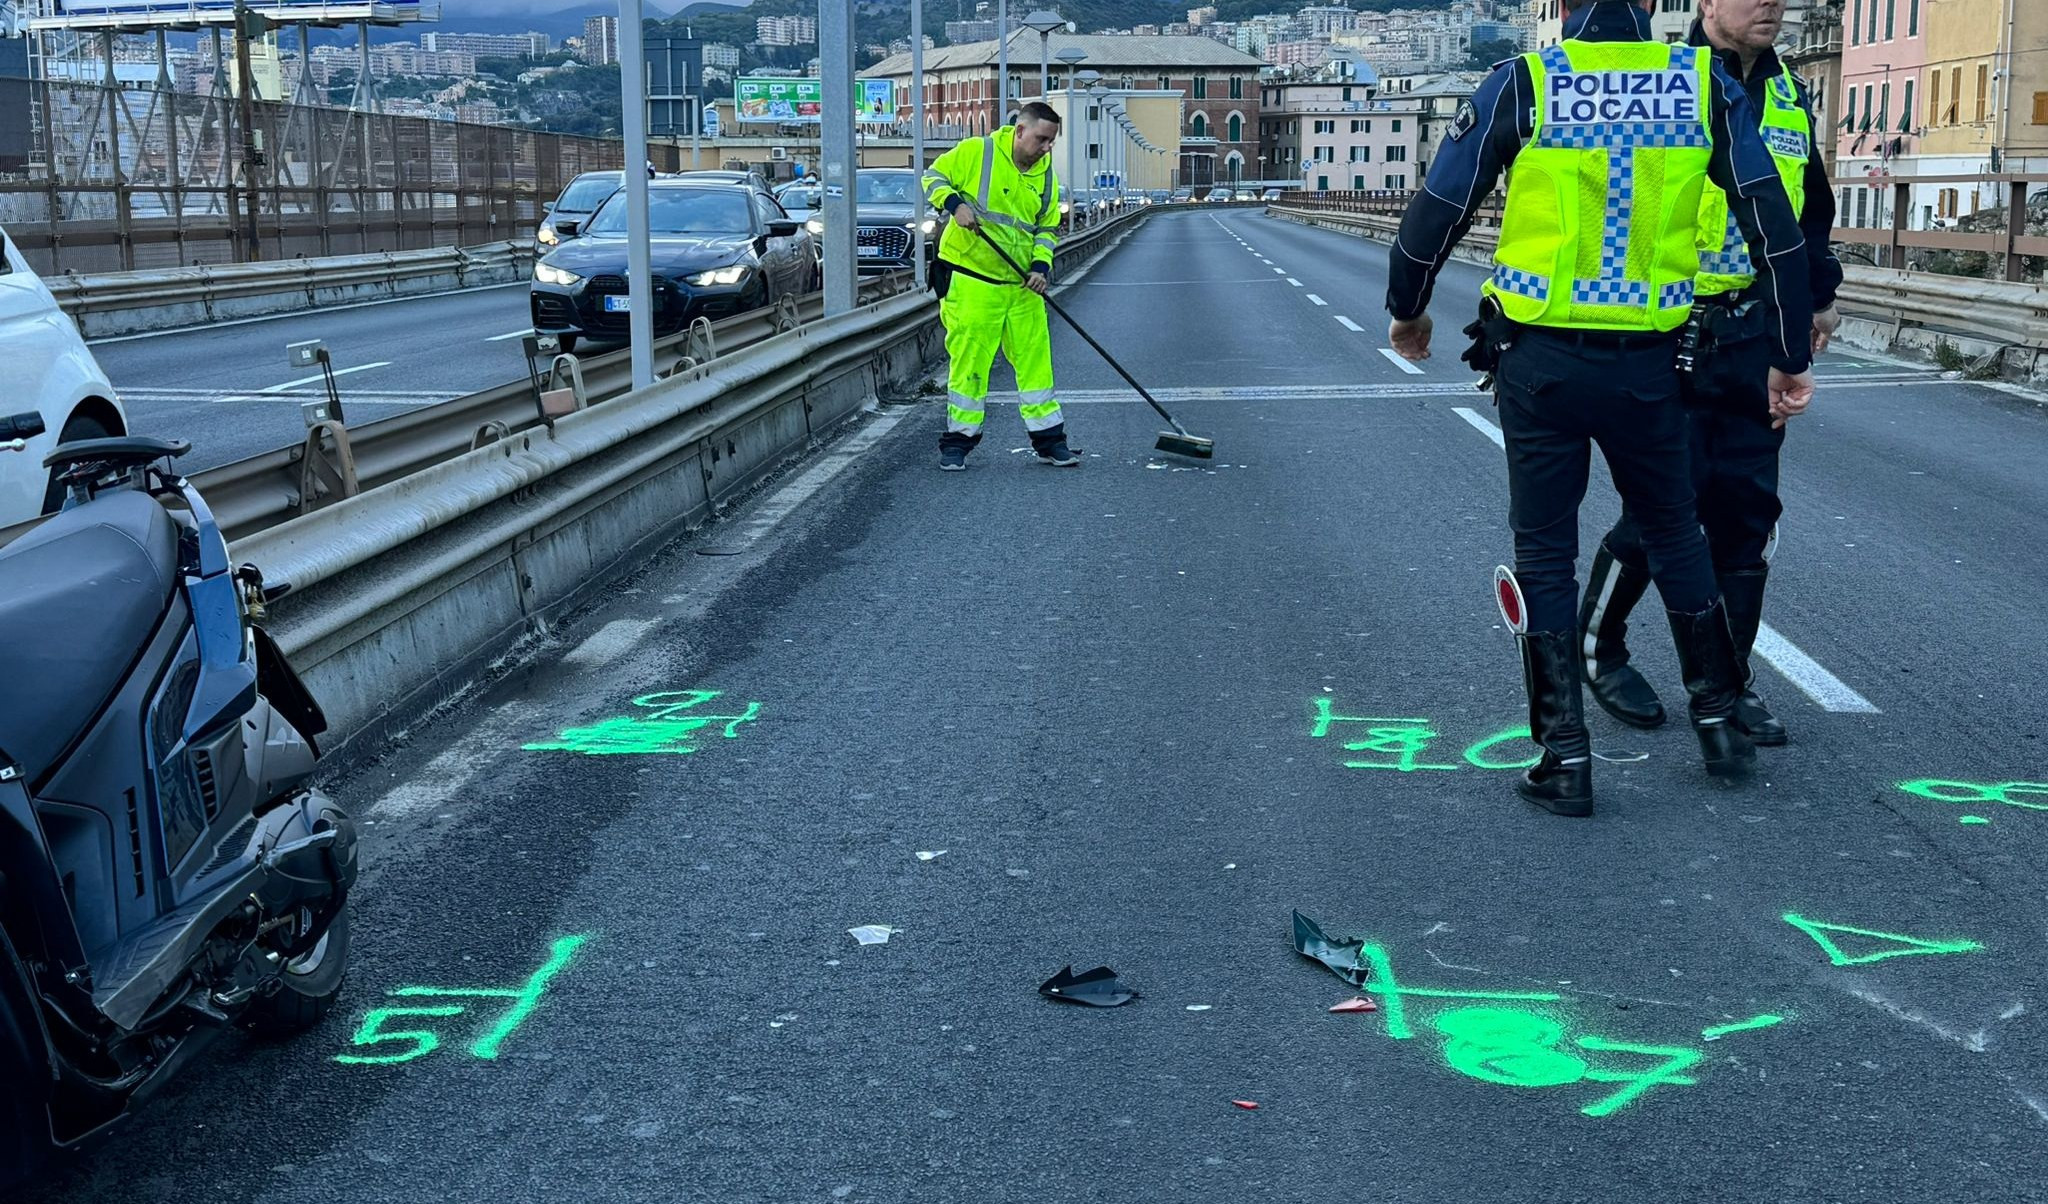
pixel 1348 324
pixel 1394 358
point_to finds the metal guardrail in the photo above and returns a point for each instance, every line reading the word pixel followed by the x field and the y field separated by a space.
pixel 2010 314
pixel 106 303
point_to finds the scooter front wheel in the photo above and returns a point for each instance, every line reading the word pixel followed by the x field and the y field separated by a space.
pixel 307 989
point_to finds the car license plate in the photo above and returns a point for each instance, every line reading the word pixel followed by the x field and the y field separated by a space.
pixel 870 249
pixel 617 304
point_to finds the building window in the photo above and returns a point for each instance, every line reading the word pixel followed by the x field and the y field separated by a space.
pixel 1198 127
pixel 1983 89
pixel 1397 125
pixel 1368 125
pixel 2041 108
pixel 1912 18
pixel 1870 30
pixel 1397 154
pixel 1094 150
pixel 1361 154
pixel 1884 107
pixel 1891 12
pixel 1326 127
pixel 1165 84
pixel 1358 183
pixel 1236 128
pixel 1347 94
pixel 1237 83
pixel 1849 117
pixel 1862 206
pixel 1201 87
pixel 1934 98
pixel 1869 106
pixel 1856 24
pixel 1906 110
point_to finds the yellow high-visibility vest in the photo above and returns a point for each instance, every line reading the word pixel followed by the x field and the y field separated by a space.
pixel 1603 203
pixel 1020 209
pixel 1788 134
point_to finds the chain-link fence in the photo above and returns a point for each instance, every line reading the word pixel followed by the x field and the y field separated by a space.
pixel 139 178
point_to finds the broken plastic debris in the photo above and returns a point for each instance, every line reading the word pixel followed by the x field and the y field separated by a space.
pixel 872 934
pixel 929 854
pixel 1356 1005
pixel 1096 988
pixel 1200 1007
pixel 1620 756
pixel 1231 866
pixel 1247 1105
pixel 1340 956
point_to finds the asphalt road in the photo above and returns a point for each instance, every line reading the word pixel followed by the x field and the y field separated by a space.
pixel 1095 696
pixel 230 389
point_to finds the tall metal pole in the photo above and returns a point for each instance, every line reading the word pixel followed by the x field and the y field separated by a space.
pixel 1044 62
pixel 1002 61
pixel 252 249
pixel 917 132
pixel 836 153
pixel 639 284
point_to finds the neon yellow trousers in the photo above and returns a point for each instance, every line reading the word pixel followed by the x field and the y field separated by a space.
pixel 982 319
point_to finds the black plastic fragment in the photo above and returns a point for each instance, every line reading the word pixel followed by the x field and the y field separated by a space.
pixel 1097 988
pixel 1340 956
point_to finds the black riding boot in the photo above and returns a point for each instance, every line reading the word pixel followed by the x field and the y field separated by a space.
pixel 1743 590
pixel 1563 781
pixel 1706 657
pixel 1612 591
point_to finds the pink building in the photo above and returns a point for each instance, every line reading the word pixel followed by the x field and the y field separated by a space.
pixel 1878 118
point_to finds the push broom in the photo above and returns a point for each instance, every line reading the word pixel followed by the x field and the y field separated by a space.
pixel 1177 441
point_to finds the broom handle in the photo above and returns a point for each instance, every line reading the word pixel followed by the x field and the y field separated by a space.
pixel 1085 336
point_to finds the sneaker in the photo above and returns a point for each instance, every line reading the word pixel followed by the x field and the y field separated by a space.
pixel 953 459
pixel 1058 456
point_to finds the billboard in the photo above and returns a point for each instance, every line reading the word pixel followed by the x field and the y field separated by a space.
pixel 95 8
pixel 801 101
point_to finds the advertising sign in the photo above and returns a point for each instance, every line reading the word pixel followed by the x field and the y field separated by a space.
pixel 801 101
pixel 778 101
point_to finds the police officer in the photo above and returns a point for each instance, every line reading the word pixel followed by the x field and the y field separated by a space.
pixel 1002 186
pixel 1608 139
pixel 1735 439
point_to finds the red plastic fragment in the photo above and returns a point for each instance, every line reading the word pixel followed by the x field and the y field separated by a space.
pixel 1247 1105
pixel 1356 1005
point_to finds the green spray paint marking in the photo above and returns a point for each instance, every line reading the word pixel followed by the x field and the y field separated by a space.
pixel 1715 1032
pixel 1908 946
pixel 1401 743
pixel 664 729
pixel 1476 758
pixel 1515 1047
pixel 2008 794
pixel 1973 819
pixel 1675 1060
pixel 524 1000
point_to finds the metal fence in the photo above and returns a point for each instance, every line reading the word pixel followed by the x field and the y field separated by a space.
pixel 140 178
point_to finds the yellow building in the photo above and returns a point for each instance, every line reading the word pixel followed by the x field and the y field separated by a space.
pixel 1093 143
pixel 1976 115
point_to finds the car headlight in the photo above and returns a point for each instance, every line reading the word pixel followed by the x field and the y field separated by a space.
pixel 725 275
pixel 815 225
pixel 1066 206
pixel 547 235
pixel 931 225
pixel 548 273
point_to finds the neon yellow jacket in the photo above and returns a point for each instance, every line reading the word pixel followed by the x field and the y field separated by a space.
pixel 1019 209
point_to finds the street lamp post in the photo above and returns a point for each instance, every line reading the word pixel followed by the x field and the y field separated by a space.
pixel 1072 57
pixel 1044 21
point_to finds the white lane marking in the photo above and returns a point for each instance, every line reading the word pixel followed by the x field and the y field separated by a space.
pixel 1814 681
pixel 1278 393
pixel 609 642
pixel 1482 426
pixel 1348 324
pixel 1262 258
pixel 288 386
pixel 1296 283
pixel 1317 300
pixel 325 309
pixel 1158 283
pixel 1394 358
pixel 314 380
pixel 517 334
pixel 1281 271
pixel 169 391
pixel 1806 673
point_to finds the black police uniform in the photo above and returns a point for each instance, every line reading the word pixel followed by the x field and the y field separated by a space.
pixel 1559 390
pixel 1734 462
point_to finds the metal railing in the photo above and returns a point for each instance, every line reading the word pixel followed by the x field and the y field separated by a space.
pixel 141 178
pixel 2007 251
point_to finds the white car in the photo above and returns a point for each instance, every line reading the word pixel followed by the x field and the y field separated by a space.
pixel 50 371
